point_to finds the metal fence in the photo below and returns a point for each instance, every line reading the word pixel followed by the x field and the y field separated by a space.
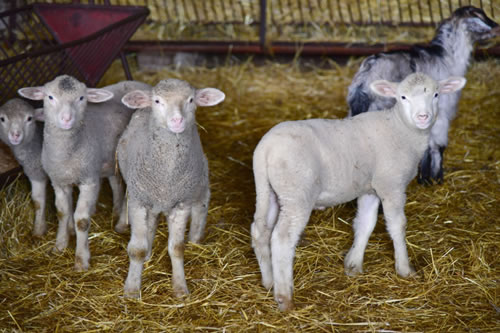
pixel 299 12
pixel 261 26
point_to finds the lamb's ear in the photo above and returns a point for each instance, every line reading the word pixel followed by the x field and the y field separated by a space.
pixel 39 115
pixel 98 95
pixel 208 97
pixel 451 84
pixel 137 99
pixel 384 88
pixel 33 93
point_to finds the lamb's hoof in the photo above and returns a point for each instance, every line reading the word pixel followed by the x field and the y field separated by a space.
pixel 132 293
pixel 406 272
pixel 58 249
pixel 285 304
pixel 121 228
pixel 81 265
pixel 38 233
pixel 267 283
pixel 353 270
pixel 181 291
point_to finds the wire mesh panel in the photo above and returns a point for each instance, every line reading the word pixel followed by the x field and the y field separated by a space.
pixel 41 41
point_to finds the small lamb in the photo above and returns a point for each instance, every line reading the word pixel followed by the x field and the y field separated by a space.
pixel 308 164
pixel 24 136
pixel 162 161
pixel 79 147
pixel 448 54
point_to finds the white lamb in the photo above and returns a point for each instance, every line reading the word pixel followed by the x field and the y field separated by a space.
pixel 82 127
pixel 24 135
pixel 166 171
pixel 308 164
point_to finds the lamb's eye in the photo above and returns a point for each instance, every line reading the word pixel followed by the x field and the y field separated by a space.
pixel 436 95
pixel 403 97
pixel 50 97
pixel 30 118
pixel 2 119
pixel 157 101
pixel 81 98
pixel 191 100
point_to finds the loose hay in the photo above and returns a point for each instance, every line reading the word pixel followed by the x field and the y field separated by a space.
pixel 453 237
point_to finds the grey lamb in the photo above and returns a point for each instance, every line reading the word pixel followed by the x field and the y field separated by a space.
pixel 79 147
pixel 311 164
pixel 448 54
pixel 24 135
pixel 162 161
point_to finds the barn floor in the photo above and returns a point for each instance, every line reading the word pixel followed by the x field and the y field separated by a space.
pixel 453 234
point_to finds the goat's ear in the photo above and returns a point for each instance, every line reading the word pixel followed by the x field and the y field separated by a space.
pixel 98 95
pixel 137 99
pixel 33 93
pixel 384 88
pixel 208 97
pixel 451 84
pixel 39 115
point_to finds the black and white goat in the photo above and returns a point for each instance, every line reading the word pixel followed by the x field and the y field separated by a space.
pixel 448 54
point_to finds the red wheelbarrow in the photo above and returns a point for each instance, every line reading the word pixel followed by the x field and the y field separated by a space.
pixel 40 41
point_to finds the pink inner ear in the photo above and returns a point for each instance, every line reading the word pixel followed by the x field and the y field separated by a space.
pixel 136 99
pixel 33 93
pixel 209 97
pixel 98 95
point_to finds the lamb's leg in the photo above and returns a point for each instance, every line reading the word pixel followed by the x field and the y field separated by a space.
pixel 265 217
pixel 38 195
pixel 117 188
pixel 85 207
pixel 285 236
pixel 199 217
pixel 177 221
pixel 137 248
pixel 396 225
pixel 64 206
pixel 152 223
pixel 363 225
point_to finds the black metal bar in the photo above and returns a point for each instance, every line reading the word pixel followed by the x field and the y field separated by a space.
pixel 123 58
pixel 263 24
pixel 309 48
pixel 419 7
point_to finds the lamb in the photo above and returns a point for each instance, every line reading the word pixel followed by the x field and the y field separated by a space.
pixel 24 136
pixel 303 165
pixel 162 161
pixel 448 54
pixel 79 146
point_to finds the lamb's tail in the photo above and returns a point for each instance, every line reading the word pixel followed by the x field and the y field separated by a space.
pixel 266 206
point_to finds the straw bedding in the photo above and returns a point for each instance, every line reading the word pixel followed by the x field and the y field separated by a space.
pixel 453 236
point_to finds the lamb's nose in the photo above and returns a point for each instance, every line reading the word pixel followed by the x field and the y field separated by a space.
pixel 423 116
pixel 177 120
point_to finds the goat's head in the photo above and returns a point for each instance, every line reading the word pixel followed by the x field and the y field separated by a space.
pixel 475 21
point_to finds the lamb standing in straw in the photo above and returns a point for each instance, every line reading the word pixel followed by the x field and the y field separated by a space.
pixel 308 164
pixel 24 135
pixel 162 161
pixel 448 54
pixel 79 143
